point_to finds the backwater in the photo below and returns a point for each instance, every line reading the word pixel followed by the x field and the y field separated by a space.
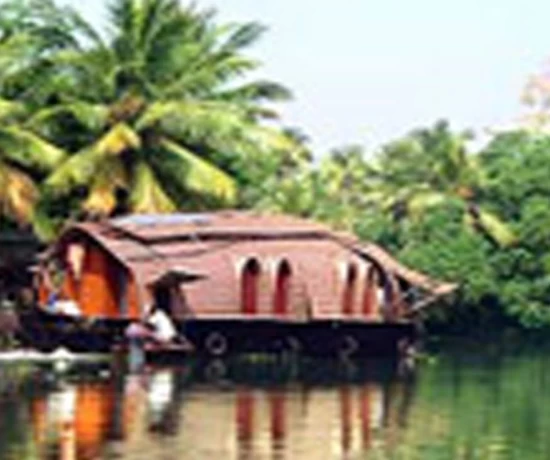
pixel 479 402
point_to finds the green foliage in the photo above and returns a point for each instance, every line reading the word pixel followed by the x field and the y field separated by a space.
pixel 512 279
pixel 440 245
pixel 148 114
pixel 517 166
pixel 159 102
pixel 481 220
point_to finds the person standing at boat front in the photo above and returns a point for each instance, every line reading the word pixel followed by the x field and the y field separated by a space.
pixel 164 330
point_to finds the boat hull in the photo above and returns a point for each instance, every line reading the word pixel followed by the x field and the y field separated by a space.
pixel 313 338
pixel 222 337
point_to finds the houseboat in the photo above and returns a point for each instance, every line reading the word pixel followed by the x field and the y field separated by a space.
pixel 231 281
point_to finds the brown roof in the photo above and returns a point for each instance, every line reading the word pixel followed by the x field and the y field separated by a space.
pixel 413 277
pixel 154 228
pixel 211 244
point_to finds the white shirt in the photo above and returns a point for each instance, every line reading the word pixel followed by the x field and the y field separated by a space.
pixel 164 327
pixel 67 307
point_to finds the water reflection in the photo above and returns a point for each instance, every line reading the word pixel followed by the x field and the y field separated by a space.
pixel 455 407
pixel 240 410
pixel 73 421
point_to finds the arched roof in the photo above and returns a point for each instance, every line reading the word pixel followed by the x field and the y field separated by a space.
pixel 151 245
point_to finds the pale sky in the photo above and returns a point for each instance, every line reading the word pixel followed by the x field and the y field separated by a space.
pixel 367 71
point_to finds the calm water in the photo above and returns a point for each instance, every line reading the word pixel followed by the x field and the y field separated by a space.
pixel 450 407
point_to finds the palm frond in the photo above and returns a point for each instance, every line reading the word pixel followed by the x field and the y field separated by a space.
pixel 10 110
pixel 77 170
pixel 498 230
pixel 91 73
pixel 119 138
pixel 257 91
pixel 268 139
pixel 243 36
pixel 206 73
pixel 91 116
pixel 121 15
pixel 26 148
pixel 15 55
pixel 421 202
pixel 219 125
pixel 18 194
pixel 147 194
pixel 109 175
pixel 201 176
pixel 163 111
pixel 162 22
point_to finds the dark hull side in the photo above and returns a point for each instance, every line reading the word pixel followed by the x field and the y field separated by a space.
pixel 225 337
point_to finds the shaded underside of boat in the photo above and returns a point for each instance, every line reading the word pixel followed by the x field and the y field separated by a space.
pixel 222 337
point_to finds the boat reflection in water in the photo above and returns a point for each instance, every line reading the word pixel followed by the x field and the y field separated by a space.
pixel 223 410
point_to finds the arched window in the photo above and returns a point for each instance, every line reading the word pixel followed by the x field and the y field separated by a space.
pixel 370 306
pixel 249 287
pixel 349 290
pixel 282 289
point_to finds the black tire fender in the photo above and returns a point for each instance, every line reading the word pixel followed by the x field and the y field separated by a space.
pixel 216 344
pixel 215 370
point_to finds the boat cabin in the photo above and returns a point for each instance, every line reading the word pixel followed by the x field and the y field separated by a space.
pixel 229 265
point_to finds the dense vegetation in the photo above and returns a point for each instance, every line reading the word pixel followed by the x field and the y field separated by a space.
pixel 158 113
pixel 480 219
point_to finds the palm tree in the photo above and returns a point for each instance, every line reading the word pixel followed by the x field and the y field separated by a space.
pixel 428 168
pixel 152 109
pixel 29 32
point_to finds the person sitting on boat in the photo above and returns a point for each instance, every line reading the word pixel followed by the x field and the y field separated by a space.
pixel 66 307
pixel 59 305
